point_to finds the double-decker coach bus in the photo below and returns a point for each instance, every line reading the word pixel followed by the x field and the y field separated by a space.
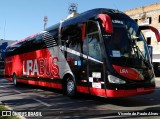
pixel 99 52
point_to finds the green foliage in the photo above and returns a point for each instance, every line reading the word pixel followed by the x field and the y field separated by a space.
pixel 7 117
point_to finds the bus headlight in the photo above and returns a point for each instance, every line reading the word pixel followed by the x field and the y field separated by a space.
pixel 113 79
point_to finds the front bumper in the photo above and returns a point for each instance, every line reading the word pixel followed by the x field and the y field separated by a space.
pixel 131 92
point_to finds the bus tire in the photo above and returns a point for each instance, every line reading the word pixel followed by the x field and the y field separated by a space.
pixel 70 87
pixel 14 79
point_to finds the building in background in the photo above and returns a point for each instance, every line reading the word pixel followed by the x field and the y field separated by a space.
pixel 3 46
pixel 149 15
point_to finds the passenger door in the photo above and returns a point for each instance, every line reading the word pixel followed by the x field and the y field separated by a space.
pixel 95 65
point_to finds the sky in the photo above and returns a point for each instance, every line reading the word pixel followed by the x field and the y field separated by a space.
pixel 22 18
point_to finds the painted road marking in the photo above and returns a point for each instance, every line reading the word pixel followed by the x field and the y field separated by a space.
pixel 46 104
pixel 18 91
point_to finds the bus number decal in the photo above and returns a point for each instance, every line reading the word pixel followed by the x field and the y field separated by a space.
pixel 41 67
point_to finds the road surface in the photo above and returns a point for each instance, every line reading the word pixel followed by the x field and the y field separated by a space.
pixel 49 103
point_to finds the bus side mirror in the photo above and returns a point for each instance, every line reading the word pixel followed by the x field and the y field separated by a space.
pixel 156 32
pixel 106 22
pixel 152 29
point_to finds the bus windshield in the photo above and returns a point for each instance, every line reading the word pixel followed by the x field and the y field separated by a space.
pixel 126 46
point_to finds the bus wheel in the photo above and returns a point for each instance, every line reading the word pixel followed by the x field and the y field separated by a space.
pixel 14 79
pixel 70 87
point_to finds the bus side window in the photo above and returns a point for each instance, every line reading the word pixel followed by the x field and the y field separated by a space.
pixel 64 36
pixel 72 38
pixel 71 35
pixel 94 47
pixel 10 50
pixel 24 47
pixel 39 43
pixel 91 27
pixel 18 48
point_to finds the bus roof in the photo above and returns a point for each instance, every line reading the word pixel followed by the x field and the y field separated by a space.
pixel 87 15
pixel 90 14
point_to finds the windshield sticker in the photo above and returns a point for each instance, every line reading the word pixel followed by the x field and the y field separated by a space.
pixel 96 74
pixel 90 79
pixel 117 22
pixel 116 53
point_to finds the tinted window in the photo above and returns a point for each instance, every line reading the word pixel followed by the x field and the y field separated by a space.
pixel 91 27
pixel 71 35
pixel 94 46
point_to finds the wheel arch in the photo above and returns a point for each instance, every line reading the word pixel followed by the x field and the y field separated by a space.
pixel 64 80
pixel 66 75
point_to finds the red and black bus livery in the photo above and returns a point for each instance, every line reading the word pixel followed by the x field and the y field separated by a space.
pixel 99 52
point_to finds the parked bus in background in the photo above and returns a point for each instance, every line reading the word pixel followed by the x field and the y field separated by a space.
pixel 100 52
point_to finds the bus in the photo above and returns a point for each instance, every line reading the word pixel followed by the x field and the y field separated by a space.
pixel 100 52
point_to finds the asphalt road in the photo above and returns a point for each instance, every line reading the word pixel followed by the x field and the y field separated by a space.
pixel 52 104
